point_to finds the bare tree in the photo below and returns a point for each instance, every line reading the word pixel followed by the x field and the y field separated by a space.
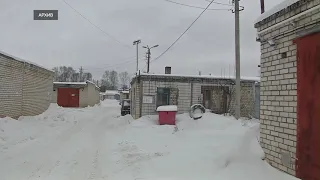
pixel 124 80
pixel 68 74
pixel 113 79
pixel 87 76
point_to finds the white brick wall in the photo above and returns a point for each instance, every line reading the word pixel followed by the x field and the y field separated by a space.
pixel 25 89
pixel 279 87
pixel 188 93
pixel 150 89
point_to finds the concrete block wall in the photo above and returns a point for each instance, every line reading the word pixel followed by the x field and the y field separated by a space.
pixel 11 78
pixel 218 100
pixel 37 90
pixel 83 97
pixel 247 106
pixel 278 110
pixel 135 103
pixel 184 95
pixel 25 89
pixel 93 94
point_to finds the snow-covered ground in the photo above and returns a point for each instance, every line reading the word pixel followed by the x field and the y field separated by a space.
pixel 96 143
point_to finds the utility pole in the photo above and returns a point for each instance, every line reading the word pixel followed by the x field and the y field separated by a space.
pixel 80 74
pixel 148 60
pixel 149 55
pixel 237 57
pixel 137 42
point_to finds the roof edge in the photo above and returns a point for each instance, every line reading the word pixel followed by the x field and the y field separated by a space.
pixel 23 61
pixel 278 10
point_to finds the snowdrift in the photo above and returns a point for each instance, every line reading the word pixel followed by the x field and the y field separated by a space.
pixel 96 142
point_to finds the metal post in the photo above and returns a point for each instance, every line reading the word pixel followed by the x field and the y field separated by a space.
pixel 80 74
pixel 137 44
pixel 149 55
pixel 262 6
pixel 148 69
pixel 237 54
pixel 137 68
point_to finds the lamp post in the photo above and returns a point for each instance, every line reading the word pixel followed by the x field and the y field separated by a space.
pixel 149 55
pixel 137 42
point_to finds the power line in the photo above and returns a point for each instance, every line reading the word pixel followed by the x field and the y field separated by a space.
pixel 104 32
pixel 195 6
pixel 115 65
pixel 124 60
pixel 183 32
pixel 224 4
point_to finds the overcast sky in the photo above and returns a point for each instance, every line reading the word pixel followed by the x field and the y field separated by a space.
pixel 72 41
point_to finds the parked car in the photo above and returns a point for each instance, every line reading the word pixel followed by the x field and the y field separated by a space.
pixel 125 107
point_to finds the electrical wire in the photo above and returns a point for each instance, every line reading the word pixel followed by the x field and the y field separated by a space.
pixel 195 6
pixel 220 3
pixel 96 26
pixel 182 33
pixel 122 60
pixel 115 65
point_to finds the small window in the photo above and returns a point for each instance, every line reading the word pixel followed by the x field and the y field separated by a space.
pixel 163 96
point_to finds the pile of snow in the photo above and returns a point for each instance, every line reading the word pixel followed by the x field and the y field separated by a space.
pixel 98 143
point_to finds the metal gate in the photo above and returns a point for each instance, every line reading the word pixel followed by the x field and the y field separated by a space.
pixel 68 97
pixel 308 109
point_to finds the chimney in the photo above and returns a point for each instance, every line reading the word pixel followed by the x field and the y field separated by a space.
pixel 262 6
pixel 167 70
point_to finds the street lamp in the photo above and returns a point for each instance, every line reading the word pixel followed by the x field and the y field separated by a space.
pixel 137 42
pixel 149 55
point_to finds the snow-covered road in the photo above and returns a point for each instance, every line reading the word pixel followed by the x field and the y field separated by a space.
pixel 96 143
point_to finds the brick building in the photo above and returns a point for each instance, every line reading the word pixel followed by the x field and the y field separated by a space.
pixel 289 35
pixel 148 91
pixel 25 88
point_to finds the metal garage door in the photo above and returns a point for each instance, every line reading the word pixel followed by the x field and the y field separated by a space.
pixel 308 125
pixel 68 97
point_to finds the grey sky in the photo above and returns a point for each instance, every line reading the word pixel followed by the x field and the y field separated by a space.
pixel 208 46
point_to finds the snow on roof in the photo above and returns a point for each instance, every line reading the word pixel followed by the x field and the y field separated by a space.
pixel 76 83
pixel 73 83
pixel 257 79
pixel 111 92
pixel 22 60
pixel 275 9
pixel 167 108
pixel 93 84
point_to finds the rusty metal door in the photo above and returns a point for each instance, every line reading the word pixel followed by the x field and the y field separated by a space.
pixel 68 97
pixel 308 109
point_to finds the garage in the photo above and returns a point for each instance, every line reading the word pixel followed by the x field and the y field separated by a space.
pixel 76 94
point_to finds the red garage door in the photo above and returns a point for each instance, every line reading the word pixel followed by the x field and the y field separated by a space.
pixel 68 97
pixel 308 125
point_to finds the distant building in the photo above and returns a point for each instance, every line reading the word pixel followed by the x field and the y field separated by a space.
pixel 76 94
pixel 25 88
pixel 124 95
pixel 289 36
pixel 148 91
pixel 111 94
